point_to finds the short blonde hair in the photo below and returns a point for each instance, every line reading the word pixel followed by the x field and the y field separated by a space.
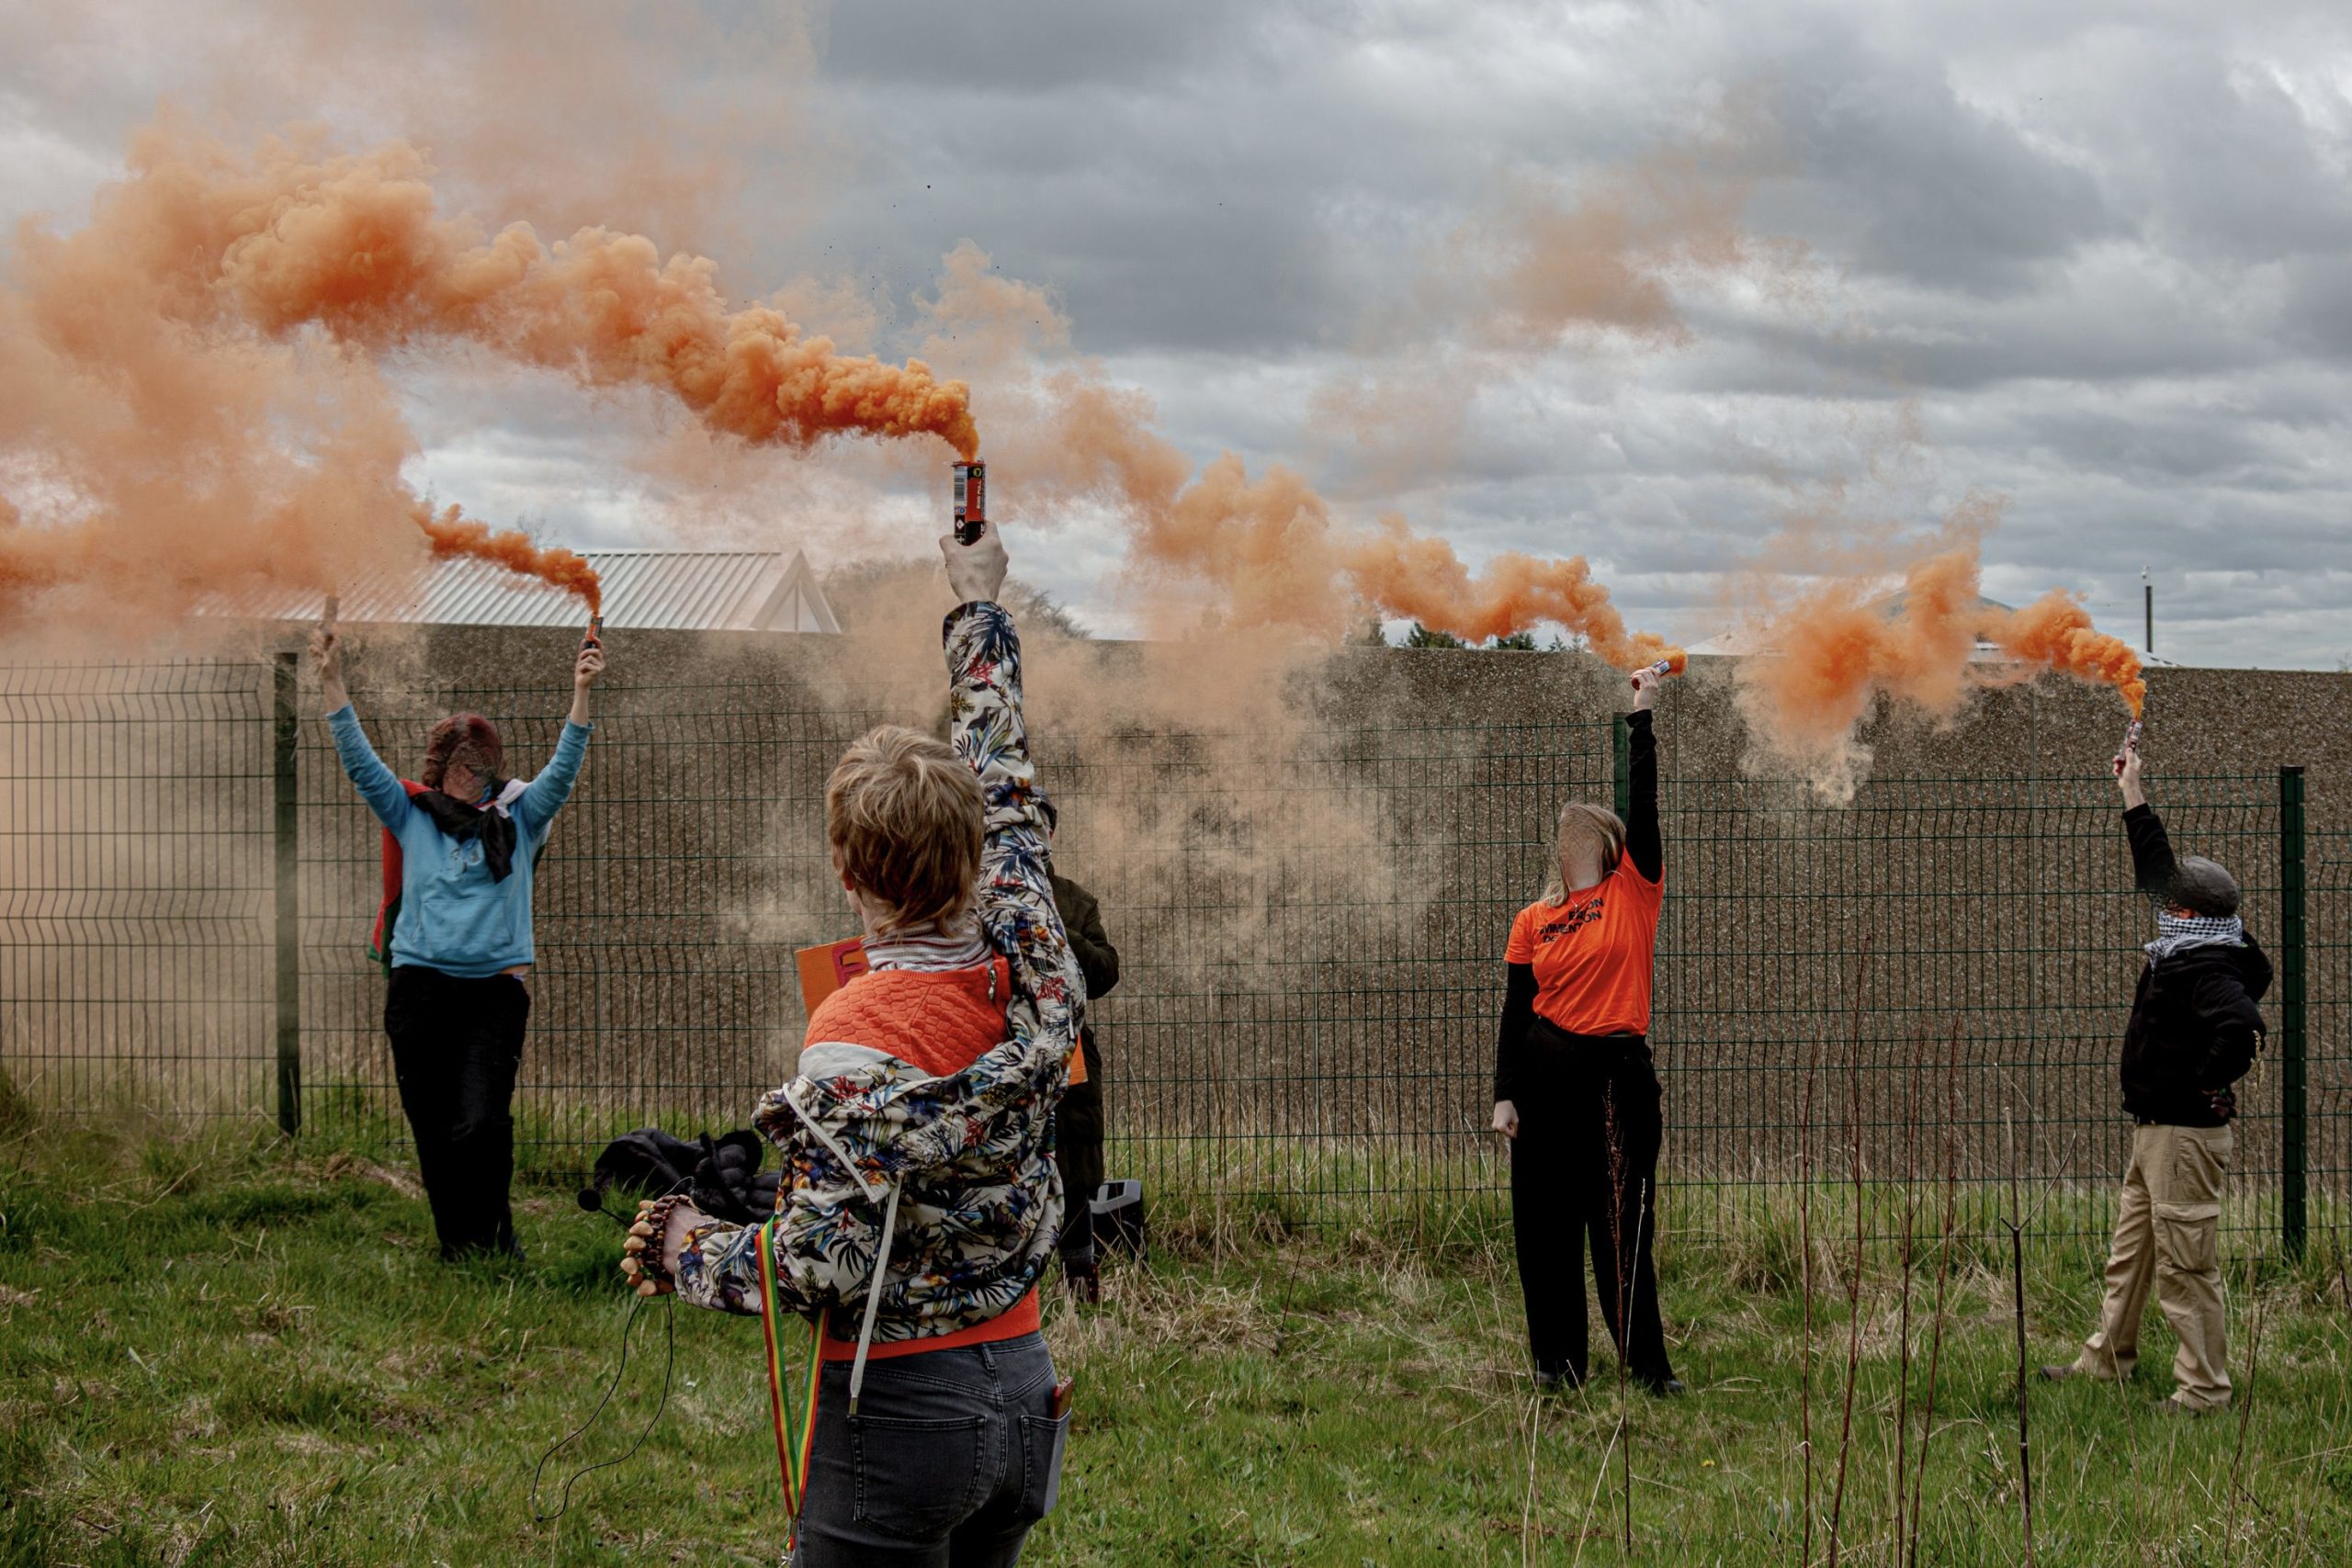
pixel 1585 826
pixel 905 817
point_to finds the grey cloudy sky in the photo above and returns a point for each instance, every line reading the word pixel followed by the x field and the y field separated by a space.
pixel 2096 258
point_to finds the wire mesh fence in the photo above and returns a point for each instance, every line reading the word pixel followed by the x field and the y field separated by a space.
pixel 1310 931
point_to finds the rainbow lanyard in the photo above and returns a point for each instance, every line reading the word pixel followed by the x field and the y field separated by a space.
pixel 795 1414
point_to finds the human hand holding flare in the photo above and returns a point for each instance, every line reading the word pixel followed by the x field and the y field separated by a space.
pixel 1674 663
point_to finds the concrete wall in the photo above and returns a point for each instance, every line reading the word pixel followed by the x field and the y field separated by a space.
pixel 1309 865
pixel 1313 911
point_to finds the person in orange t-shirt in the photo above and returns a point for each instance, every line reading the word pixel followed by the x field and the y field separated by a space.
pixel 1574 1089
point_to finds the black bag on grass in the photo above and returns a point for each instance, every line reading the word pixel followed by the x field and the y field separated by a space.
pixel 720 1175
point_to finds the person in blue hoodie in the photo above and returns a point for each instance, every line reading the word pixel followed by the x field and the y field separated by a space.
pixel 459 951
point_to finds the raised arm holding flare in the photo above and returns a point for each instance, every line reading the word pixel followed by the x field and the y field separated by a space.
pixel 1575 1088
pixel 920 1203
pixel 2195 1030
pixel 455 932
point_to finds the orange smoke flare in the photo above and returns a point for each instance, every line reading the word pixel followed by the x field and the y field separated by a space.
pixel 355 243
pixel 1825 663
pixel 1420 577
pixel 2055 632
pixel 1272 554
pixel 452 535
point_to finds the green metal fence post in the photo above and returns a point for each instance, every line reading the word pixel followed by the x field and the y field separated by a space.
pixel 290 900
pixel 2291 939
pixel 1621 757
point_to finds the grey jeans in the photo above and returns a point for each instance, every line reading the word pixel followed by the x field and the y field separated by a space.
pixel 952 1455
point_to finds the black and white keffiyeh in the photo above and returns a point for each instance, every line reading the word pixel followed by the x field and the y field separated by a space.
pixel 2178 934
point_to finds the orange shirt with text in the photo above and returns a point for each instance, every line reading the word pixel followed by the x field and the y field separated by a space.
pixel 1593 953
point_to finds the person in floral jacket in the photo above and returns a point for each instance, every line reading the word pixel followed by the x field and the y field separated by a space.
pixel 920 1204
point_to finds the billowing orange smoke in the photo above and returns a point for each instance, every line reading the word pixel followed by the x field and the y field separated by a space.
pixel 1822 665
pixel 1266 553
pixel 1409 575
pixel 452 533
pixel 355 243
pixel 192 393
pixel 2056 633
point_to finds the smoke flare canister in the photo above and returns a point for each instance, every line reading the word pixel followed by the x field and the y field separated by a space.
pixel 1662 669
pixel 334 609
pixel 971 502
pixel 595 638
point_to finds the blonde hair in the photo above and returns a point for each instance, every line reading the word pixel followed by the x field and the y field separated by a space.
pixel 905 817
pixel 1584 825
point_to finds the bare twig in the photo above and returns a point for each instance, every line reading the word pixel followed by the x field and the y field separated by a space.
pixel 1804 1247
pixel 1624 1327
pixel 2343 1276
pixel 2245 1405
pixel 1943 1276
pixel 1854 1276
pixel 2016 1223
pixel 1535 1417
pixel 1903 1333
pixel 2254 1363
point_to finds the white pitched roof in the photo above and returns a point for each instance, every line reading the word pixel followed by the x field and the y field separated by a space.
pixel 736 591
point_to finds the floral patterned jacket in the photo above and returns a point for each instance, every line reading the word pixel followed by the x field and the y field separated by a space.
pixel 980 1202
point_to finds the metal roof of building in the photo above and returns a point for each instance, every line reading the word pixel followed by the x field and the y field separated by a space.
pixel 736 591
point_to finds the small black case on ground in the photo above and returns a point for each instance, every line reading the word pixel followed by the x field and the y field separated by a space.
pixel 1117 1209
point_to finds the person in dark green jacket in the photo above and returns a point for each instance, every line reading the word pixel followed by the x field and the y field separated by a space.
pixel 1078 1134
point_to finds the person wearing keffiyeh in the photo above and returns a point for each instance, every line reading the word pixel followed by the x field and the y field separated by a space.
pixel 457 939
pixel 2195 1030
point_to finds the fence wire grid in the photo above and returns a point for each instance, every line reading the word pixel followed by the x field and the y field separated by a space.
pixel 1310 936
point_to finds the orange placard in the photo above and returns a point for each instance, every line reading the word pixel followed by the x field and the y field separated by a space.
pixel 826 969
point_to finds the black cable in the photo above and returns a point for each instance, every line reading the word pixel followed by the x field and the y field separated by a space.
pixel 669 1365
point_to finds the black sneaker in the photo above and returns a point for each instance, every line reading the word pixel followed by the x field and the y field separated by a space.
pixel 1556 1379
pixel 1665 1387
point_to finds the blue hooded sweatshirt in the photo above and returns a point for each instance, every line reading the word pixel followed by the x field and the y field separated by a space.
pixel 453 917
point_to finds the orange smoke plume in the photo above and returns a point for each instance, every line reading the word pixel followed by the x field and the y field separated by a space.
pixel 1267 553
pixel 192 393
pixel 1823 665
pixel 2055 632
pixel 1408 575
pixel 452 535
pixel 355 243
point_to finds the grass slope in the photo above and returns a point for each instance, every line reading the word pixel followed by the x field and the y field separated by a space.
pixel 223 1351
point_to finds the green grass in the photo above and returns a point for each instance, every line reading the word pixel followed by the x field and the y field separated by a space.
pixel 227 1351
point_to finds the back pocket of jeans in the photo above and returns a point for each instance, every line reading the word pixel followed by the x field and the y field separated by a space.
pixel 916 1479
pixel 1043 1438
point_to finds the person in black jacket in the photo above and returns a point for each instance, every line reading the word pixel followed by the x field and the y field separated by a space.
pixel 2194 1030
pixel 1574 1089
pixel 1078 1128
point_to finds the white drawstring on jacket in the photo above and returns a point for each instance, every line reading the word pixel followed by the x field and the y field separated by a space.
pixel 881 1248
pixel 874 1295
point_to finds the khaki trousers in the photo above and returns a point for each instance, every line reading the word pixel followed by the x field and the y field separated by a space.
pixel 2168 1232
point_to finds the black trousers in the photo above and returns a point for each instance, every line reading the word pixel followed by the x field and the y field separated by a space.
pixel 1078 1150
pixel 455 1047
pixel 1585 1163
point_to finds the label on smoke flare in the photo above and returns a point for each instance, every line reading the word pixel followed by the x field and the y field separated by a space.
pixel 826 969
pixel 971 493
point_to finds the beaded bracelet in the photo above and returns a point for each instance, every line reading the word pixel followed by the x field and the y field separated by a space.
pixel 657 1217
